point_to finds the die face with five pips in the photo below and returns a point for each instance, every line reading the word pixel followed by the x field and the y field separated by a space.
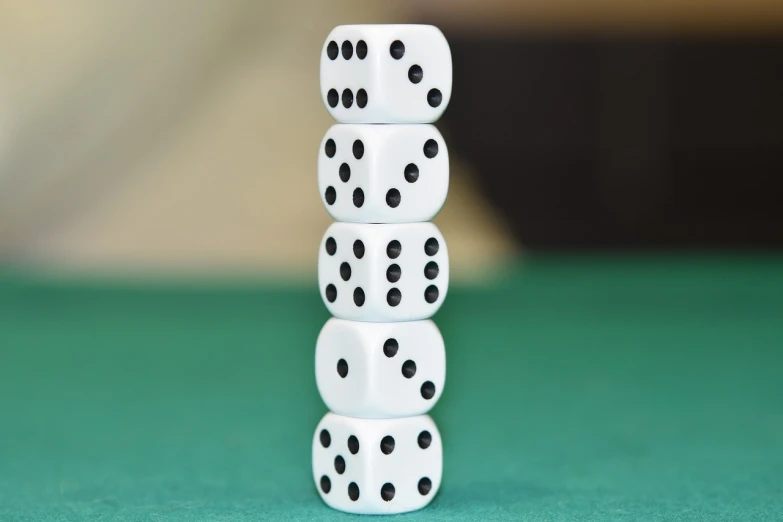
pixel 386 73
pixel 383 273
pixel 383 173
pixel 377 466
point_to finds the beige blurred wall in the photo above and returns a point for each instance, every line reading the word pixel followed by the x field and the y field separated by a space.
pixel 181 136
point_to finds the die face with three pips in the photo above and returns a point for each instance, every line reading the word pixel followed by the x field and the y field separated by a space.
pixel 383 173
pixel 380 370
pixel 377 466
pixel 386 73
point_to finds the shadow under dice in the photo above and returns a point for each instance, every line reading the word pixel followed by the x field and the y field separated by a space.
pixel 383 173
pixel 377 466
pixel 383 273
pixel 386 73
pixel 380 370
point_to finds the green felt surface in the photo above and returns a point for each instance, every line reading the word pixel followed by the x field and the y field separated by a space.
pixel 582 389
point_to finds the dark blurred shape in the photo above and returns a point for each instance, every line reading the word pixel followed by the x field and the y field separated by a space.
pixel 648 141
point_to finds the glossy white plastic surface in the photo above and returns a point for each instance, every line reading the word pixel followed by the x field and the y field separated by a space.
pixel 397 88
pixel 367 294
pixel 372 481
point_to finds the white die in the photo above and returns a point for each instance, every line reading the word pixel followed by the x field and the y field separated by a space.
pixel 377 466
pixel 383 173
pixel 383 273
pixel 380 370
pixel 386 73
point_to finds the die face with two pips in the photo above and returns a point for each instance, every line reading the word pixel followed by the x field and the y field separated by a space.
pixel 383 272
pixel 377 466
pixel 380 370
pixel 383 173
pixel 386 73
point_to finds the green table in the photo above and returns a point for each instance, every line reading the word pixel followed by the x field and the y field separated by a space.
pixel 631 388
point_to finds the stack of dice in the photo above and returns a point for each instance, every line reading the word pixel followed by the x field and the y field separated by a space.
pixel 383 268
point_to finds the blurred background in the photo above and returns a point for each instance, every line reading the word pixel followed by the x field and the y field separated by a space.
pixel 140 137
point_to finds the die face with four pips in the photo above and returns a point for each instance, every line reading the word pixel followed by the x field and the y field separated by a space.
pixel 377 466
pixel 383 272
pixel 380 370
pixel 383 173
pixel 386 73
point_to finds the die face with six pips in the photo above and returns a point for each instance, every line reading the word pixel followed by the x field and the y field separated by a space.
pixel 383 273
pixel 386 73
